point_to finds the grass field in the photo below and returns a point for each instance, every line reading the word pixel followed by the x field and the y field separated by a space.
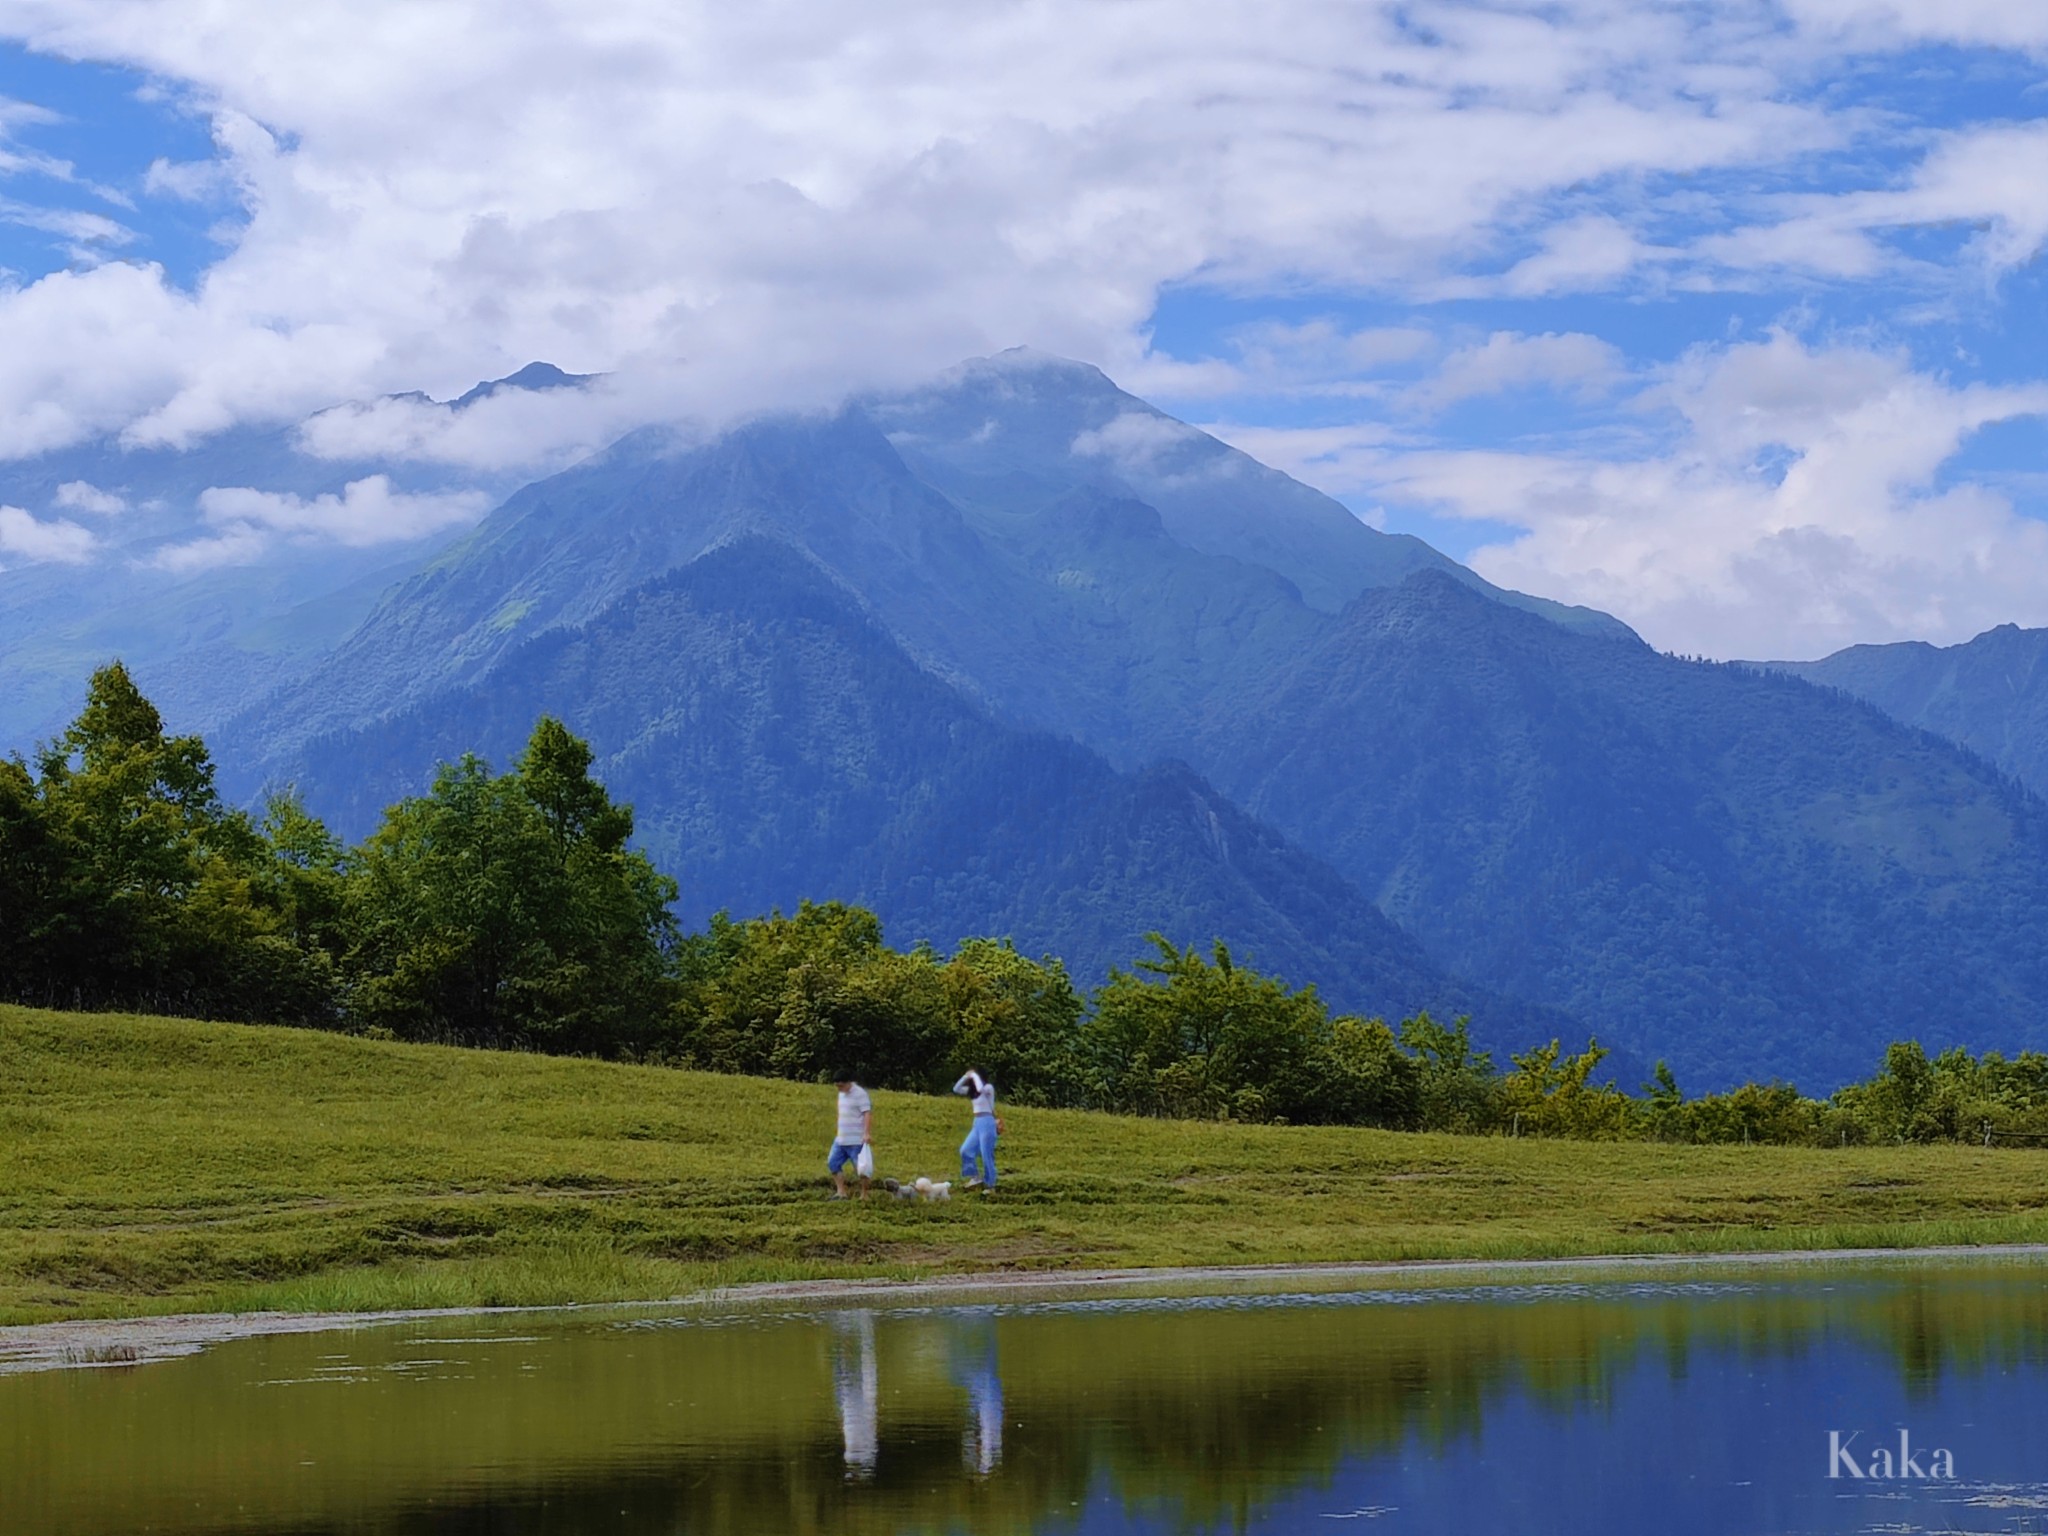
pixel 152 1165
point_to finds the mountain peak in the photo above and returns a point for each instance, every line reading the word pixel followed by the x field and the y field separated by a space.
pixel 534 376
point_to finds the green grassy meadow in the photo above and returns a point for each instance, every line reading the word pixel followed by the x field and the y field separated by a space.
pixel 154 1165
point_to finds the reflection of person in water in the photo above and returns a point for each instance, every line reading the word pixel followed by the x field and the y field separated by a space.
pixel 974 1367
pixel 853 1383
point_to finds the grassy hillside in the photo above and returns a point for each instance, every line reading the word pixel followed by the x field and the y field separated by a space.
pixel 151 1165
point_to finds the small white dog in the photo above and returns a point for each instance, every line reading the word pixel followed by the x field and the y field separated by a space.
pixel 923 1189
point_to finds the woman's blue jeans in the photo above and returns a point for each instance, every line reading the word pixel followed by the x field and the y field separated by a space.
pixel 980 1143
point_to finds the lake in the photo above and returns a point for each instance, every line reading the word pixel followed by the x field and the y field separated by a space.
pixel 1674 1400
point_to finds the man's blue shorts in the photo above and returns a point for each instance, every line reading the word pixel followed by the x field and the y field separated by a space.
pixel 842 1154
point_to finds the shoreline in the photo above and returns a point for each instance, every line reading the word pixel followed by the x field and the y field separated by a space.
pixel 93 1344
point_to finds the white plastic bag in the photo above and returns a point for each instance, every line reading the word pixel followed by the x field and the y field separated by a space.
pixel 864 1165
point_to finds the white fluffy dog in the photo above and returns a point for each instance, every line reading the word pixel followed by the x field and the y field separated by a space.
pixel 923 1189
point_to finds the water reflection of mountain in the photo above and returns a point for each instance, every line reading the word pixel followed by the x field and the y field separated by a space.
pixel 985 1420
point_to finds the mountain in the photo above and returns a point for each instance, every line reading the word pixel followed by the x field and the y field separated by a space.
pixel 205 623
pixel 780 745
pixel 1990 694
pixel 1725 867
pixel 1010 436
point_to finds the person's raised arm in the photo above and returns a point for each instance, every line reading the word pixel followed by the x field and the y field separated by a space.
pixel 969 1084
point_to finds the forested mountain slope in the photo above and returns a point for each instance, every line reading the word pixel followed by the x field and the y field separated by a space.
pixel 1729 868
pixel 1990 694
pixel 1725 866
pixel 778 746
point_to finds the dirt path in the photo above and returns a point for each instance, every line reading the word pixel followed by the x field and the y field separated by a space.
pixel 139 1340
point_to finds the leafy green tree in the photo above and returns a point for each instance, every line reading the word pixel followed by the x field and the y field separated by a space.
pixel 28 876
pixel 1370 1080
pixel 1552 1094
pixel 1761 1113
pixel 812 994
pixel 1457 1088
pixel 1208 1039
pixel 1016 1019
pixel 137 886
pixel 506 910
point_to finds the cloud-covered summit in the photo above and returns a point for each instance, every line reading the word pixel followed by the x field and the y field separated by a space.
pixel 1516 221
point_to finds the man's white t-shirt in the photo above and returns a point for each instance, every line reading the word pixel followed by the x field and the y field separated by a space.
pixel 854 1105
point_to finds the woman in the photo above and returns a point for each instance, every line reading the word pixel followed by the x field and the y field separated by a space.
pixel 980 1144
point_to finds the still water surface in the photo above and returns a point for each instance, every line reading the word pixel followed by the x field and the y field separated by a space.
pixel 1672 1405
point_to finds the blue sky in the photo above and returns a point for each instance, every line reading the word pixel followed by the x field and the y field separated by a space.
pixel 1725 315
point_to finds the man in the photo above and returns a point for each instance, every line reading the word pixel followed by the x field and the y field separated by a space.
pixel 856 1130
pixel 980 1145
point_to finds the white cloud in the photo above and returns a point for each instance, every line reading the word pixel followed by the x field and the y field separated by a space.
pixel 1135 441
pixel 367 512
pixel 1989 23
pixel 1987 180
pixel 188 181
pixel 1337 460
pixel 1592 251
pixel 83 229
pixel 58 543
pixel 1319 357
pixel 732 207
pixel 240 545
pixel 1801 508
pixel 510 428
pixel 1572 362
pixel 83 496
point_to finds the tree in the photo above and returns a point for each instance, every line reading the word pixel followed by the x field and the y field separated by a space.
pixel 1552 1094
pixel 1208 1039
pixel 1016 1019
pixel 506 910
pixel 813 994
pixel 1371 1080
pixel 1457 1088
pixel 136 886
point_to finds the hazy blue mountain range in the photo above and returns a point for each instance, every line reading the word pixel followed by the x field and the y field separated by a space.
pixel 1725 866
pixel 1990 694
pixel 1707 862
pixel 1010 437
pixel 780 745
pixel 205 637
pixel 1071 605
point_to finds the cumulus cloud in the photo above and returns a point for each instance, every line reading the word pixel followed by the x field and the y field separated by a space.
pixel 1801 507
pixel 1870 23
pixel 731 208
pixel 1136 441
pixel 368 511
pixel 55 543
pixel 84 496
pixel 528 428
pixel 1573 362
pixel 1982 179
pixel 767 205
pixel 244 544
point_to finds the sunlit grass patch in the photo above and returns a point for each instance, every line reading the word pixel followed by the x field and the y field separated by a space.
pixel 151 1165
